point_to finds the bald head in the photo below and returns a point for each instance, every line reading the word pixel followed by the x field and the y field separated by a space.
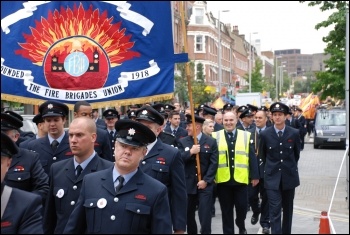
pixel 229 120
pixel 85 121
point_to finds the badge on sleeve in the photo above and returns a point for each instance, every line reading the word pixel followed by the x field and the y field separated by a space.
pixel 101 203
pixel 60 193
pixel 187 148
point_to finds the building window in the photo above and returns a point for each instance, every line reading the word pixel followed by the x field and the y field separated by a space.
pixel 199 43
pixel 199 13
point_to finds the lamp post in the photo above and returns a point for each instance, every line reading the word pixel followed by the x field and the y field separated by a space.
pixel 276 66
pixel 219 52
pixel 250 61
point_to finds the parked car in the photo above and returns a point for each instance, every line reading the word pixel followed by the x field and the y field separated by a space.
pixel 28 124
pixel 330 128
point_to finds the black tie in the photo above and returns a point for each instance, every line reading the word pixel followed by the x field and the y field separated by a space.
pixel 111 134
pixel 120 185
pixel 230 135
pixel 280 134
pixel 79 169
pixel 259 131
pixel 54 145
pixel 174 132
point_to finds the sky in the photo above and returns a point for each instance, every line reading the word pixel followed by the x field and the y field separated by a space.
pixel 278 25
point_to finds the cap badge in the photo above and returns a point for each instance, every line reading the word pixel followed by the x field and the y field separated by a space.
pixel 132 113
pixel 243 108
pixel 49 106
pixel 277 105
pixel 109 112
pixel 131 131
pixel 144 112
pixel 161 109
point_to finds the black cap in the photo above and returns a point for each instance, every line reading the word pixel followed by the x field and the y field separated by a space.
pixel 52 108
pixel 296 108
pixel 169 107
pixel 252 107
pixel 8 147
pixel 14 114
pixel 227 106
pixel 242 108
pixel 279 107
pixel 201 106
pixel 196 119
pixel 132 114
pixel 263 108
pixel 209 111
pixel 9 122
pixel 134 106
pixel 159 107
pixel 246 113
pixel 38 119
pixel 111 113
pixel 133 133
pixel 149 114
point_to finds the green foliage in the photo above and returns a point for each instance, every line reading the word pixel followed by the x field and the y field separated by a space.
pixel 256 78
pixel 331 82
pixel 198 85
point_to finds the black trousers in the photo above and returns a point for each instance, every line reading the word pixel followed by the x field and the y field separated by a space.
pixel 232 197
pixel 202 199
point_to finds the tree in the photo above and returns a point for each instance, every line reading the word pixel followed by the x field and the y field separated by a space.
pixel 331 82
pixel 256 78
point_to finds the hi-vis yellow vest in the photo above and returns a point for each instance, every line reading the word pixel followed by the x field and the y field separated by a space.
pixel 241 162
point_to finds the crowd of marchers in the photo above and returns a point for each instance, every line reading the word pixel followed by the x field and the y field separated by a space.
pixel 150 170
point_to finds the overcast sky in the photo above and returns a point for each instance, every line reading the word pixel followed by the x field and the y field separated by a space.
pixel 279 25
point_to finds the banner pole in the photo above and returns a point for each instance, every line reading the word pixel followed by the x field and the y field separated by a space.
pixel 189 87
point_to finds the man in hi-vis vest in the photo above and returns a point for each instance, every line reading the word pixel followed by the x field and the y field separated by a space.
pixel 237 166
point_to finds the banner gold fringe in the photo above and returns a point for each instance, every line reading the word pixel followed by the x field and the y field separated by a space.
pixel 111 103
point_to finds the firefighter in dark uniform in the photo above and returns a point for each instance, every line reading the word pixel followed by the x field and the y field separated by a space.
pixel 123 199
pixel 66 176
pixel 199 191
pixel 55 146
pixel 23 135
pixel 42 130
pixel 102 144
pixel 164 136
pixel 164 163
pixel 21 210
pixel 111 117
pixel 25 171
pixel 280 150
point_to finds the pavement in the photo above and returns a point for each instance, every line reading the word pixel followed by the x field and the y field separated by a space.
pixel 318 171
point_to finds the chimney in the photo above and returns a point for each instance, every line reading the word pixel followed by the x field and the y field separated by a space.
pixel 235 30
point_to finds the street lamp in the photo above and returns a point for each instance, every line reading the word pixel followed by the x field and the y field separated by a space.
pixel 276 66
pixel 250 61
pixel 219 52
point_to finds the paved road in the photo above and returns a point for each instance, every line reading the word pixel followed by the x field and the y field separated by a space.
pixel 318 172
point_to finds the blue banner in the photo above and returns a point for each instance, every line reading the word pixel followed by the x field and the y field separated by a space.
pixel 104 52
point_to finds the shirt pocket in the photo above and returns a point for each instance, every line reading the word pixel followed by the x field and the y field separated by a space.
pixel 17 177
pixel 161 173
pixel 93 215
pixel 140 217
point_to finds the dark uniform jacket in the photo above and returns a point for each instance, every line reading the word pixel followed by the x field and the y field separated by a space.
pixel 22 214
pixel 27 173
pixel 218 127
pixel 281 158
pixel 103 146
pixel 141 206
pixel 65 190
pixel 100 123
pixel 180 132
pixel 208 156
pixel 24 144
pixel 47 155
pixel 164 163
pixel 255 137
pixel 168 138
